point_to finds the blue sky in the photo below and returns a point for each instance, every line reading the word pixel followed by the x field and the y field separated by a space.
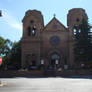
pixel 13 12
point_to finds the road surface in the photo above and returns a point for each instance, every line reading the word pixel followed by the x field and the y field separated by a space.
pixel 46 85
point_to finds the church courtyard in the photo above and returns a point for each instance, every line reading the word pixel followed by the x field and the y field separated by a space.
pixel 57 84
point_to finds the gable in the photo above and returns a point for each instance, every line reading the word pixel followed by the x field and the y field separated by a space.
pixel 55 25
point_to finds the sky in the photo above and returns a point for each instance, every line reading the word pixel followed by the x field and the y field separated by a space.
pixel 13 12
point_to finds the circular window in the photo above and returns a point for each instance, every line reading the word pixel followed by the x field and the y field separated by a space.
pixel 54 40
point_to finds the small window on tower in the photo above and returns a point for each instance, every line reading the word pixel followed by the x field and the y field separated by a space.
pixel 74 31
pixel 29 31
pixel 32 21
pixel 77 20
pixel 34 31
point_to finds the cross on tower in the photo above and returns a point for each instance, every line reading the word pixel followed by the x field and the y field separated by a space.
pixel 54 15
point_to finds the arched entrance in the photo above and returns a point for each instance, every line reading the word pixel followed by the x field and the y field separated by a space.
pixel 54 63
pixel 54 59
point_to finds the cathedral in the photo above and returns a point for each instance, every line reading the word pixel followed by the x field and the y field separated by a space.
pixel 49 46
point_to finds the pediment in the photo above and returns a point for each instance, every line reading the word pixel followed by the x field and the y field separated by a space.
pixel 55 25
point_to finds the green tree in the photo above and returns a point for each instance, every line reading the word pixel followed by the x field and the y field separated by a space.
pixel 12 54
pixel 15 56
pixel 83 43
pixel 2 46
pixel 5 48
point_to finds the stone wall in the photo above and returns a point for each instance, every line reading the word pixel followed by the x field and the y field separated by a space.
pixel 41 73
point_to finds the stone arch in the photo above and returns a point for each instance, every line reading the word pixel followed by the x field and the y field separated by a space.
pixel 54 55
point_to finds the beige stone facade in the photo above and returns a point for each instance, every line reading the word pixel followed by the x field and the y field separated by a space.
pixel 50 46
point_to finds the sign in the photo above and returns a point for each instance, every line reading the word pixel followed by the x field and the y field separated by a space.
pixel 0 60
pixel 56 62
pixel 42 62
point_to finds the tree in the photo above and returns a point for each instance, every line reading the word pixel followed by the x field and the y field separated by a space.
pixel 12 54
pixel 5 48
pixel 15 56
pixel 83 43
pixel 2 46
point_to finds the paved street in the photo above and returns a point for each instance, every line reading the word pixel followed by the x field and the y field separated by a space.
pixel 46 85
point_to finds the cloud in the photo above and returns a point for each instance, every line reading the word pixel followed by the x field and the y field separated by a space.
pixel 9 19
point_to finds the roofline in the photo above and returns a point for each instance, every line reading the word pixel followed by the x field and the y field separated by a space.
pixel 52 20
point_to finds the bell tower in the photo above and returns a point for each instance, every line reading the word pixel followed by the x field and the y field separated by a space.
pixel 74 18
pixel 32 27
pixel 32 24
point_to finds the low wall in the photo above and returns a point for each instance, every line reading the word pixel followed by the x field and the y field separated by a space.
pixel 41 73
pixel 13 73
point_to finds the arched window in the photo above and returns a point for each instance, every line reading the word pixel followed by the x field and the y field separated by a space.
pixel 55 56
pixel 79 31
pixel 74 31
pixel 34 31
pixel 29 31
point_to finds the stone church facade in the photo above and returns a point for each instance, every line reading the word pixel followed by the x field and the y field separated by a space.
pixel 50 46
